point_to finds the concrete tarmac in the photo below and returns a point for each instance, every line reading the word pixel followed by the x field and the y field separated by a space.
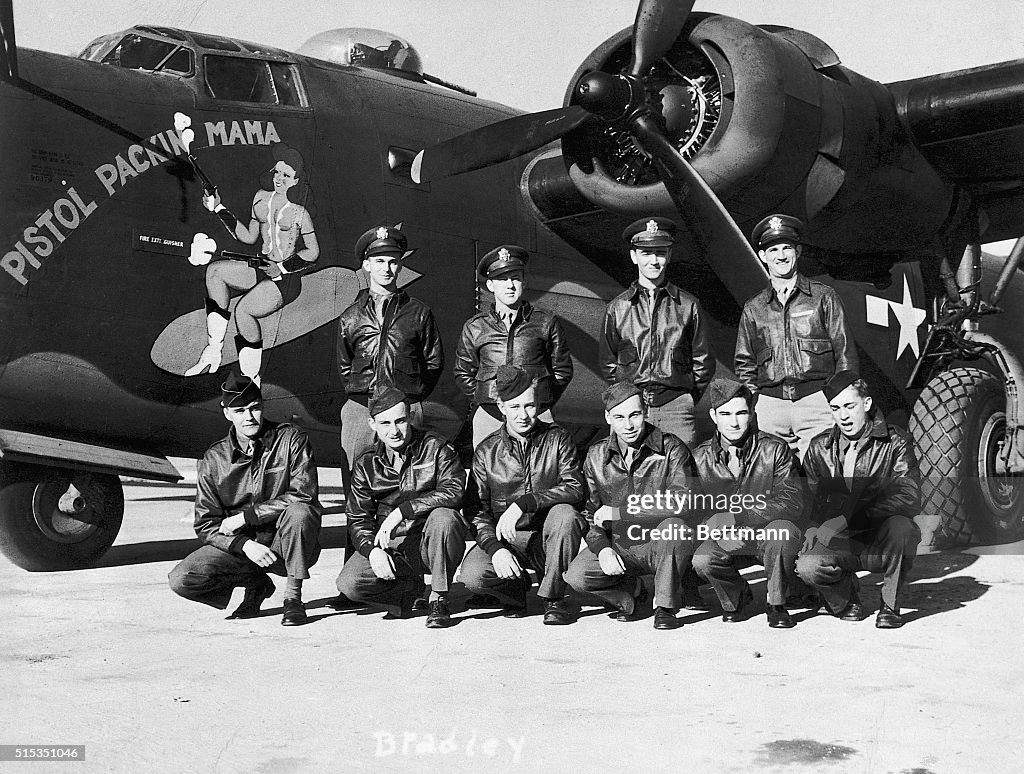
pixel 111 659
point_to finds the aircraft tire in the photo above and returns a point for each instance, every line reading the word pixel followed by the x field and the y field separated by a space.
pixel 36 536
pixel 957 425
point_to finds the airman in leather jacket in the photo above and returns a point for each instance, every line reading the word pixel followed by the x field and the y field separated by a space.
pixel 405 349
pixel 663 350
pixel 535 343
pixel 788 351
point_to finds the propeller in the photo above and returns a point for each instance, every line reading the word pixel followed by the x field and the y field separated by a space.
pixel 621 100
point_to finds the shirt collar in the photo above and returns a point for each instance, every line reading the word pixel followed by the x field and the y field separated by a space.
pixel 384 453
pixel 259 443
pixel 636 289
pixel 802 285
pixel 652 439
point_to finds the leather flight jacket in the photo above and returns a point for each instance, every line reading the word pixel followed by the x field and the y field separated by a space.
pixel 664 351
pixel 404 349
pixel 661 463
pixel 886 480
pixel 541 471
pixel 768 470
pixel 279 472
pixel 535 343
pixel 430 476
pixel 789 351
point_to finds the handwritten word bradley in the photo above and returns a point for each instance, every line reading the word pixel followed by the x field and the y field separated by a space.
pixel 55 224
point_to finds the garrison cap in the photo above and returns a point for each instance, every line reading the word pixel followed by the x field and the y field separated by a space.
pixel 777 228
pixel 501 260
pixel 381 240
pixel 650 232
pixel 239 390
pixel 618 393
pixel 511 382
pixel 385 398
pixel 722 391
pixel 839 382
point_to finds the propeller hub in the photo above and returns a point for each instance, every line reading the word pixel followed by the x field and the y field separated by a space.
pixel 606 95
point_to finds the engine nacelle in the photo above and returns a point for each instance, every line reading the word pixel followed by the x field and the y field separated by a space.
pixel 773 123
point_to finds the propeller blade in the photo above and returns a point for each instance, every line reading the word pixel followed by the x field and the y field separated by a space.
pixel 8 46
pixel 658 24
pixel 495 143
pixel 725 247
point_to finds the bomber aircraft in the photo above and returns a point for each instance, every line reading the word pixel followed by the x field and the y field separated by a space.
pixel 110 363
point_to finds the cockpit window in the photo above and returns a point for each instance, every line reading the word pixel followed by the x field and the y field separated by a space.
pixel 136 52
pixel 252 80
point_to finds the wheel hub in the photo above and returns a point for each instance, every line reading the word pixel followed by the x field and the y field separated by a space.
pixel 58 526
pixel 1000 489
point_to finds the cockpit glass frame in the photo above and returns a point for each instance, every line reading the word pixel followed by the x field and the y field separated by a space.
pixel 136 51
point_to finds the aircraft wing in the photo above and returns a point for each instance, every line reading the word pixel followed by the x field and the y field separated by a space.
pixel 969 124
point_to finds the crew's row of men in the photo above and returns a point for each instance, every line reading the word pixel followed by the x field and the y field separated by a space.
pixel 791 338
pixel 531 503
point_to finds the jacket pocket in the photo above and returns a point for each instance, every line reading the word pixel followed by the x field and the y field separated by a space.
pixel 816 357
pixel 407 375
pixel 627 359
pixel 360 376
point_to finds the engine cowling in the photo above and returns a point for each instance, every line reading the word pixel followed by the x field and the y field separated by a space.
pixel 773 122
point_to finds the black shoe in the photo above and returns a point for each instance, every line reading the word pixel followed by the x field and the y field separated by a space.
pixel 665 618
pixel 740 613
pixel 809 601
pixel 405 606
pixel 294 613
pixel 640 599
pixel 556 613
pixel 854 611
pixel 779 617
pixel 888 618
pixel 341 602
pixel 439 617
pixel 480 601
pixel 422 601
pixel 692 599
pixel 254 597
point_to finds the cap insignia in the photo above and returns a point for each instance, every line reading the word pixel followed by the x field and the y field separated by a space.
pixel 382 233
pixel 652 227
pixel 775 223
pixel 504 254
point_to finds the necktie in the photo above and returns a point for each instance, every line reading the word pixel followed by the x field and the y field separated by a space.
pixel 379 302
pixel 630 453
pixel 734 461
pixel 850 461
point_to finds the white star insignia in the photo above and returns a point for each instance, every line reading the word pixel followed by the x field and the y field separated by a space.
pixel 907 315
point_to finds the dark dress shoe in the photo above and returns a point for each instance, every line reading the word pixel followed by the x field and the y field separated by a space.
pixel 514 611
pixel 422 601
pixel 692 599
pixel 665 618
pixel 779 617
pixel 341 602
pixel 294 613
pixel 809 601
pixel 254 597
pixel 852 612
pixel 640 600
pixel 439 617
pixel 740 613
pixel 888 618
pixel 556 613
